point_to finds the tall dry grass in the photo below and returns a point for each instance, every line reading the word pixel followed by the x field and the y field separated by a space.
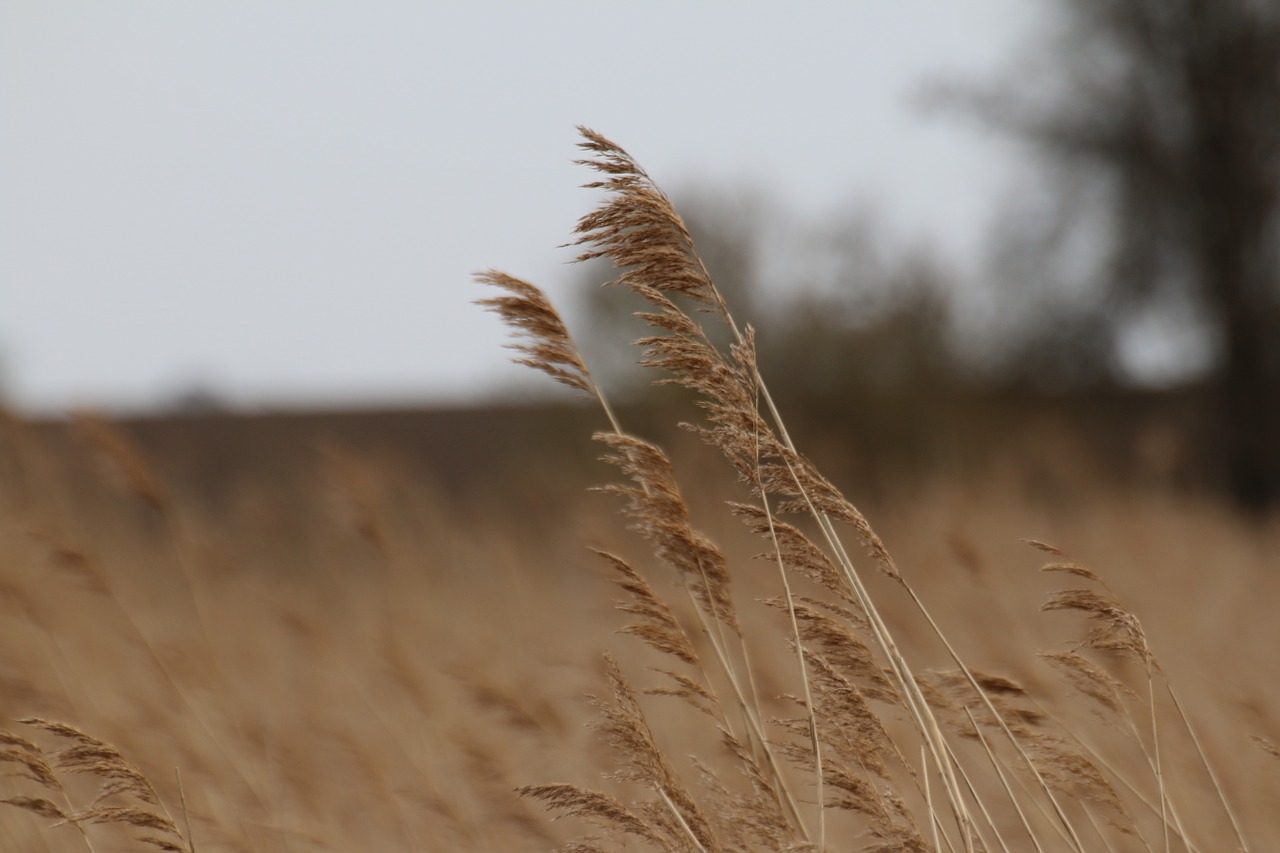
pixel 869 745
pixel 344 657
pixel 319 660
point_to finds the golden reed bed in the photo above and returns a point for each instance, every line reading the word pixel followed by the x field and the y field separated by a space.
pixel 351 660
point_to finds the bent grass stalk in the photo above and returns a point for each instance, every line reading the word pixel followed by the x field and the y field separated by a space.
pixel 638 229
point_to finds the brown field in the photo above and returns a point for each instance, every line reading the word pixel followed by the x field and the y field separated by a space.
pixel 381 632
pixel 349 651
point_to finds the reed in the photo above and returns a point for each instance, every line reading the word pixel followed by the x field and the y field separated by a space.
pixel 911 758
pixel 349 652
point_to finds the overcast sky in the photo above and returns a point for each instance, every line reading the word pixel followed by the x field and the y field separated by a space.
pixel 282 200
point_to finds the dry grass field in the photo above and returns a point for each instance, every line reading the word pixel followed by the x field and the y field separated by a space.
pixel 346 659
pixel 349 652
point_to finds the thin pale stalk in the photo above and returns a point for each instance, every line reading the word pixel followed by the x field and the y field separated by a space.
pixel 84 835
pixel 920 710
pixel 1155 746
pixel 186 815
pixel 808 698
pixel 928 796
pixel 1093 821
pixel 680 819
pixel 931 732
pixel 804 669
pixel 973 682
pixel 197 714
pixel 922 714
pixel 608 410
pixel 1173 819
pixel 1204 759
pixel 968 783
pixel 1098 758
pixel 718 644
pixel 1004 782
pixel 754 724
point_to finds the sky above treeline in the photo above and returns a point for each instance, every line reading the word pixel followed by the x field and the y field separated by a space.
pixel 281 204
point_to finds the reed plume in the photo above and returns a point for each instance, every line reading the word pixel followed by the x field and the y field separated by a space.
pixel 125 797
pixel 874 737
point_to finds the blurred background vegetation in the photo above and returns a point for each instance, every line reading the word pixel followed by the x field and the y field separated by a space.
pixel 1132 286
pixel 1125 310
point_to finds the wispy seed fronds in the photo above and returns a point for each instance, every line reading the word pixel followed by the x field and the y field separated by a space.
pixel 1071 771
pixel 135 817
pixel 62 730
pixel 691 692
pixel 1090 679
pixel 767 810
pixel 659 514
pixel 669 318
pixel 90 756
pixel 1045 547
pixel 807 491
pixel 1266 745
pixel 1114 629
pixel 995 706
pixel 583 846
pixel 37 805
pixel 890 825
pixel 638 228
pixel 842 649
pixel 591 805
pixel 544 340
pixel 795 549
pixel 658 627
pixel 854 731
pixel 695 364
pixel 32 766
pixel 1076 569
pixel 627 731
pixel 93 757
pixel 10 739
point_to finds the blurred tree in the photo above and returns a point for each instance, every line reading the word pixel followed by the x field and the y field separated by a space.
pixel 1165 116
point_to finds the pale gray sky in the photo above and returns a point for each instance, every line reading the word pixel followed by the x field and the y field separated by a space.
pixel 283 200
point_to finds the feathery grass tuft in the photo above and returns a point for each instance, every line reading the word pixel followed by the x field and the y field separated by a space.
pixel 125 797
pixel 876 739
